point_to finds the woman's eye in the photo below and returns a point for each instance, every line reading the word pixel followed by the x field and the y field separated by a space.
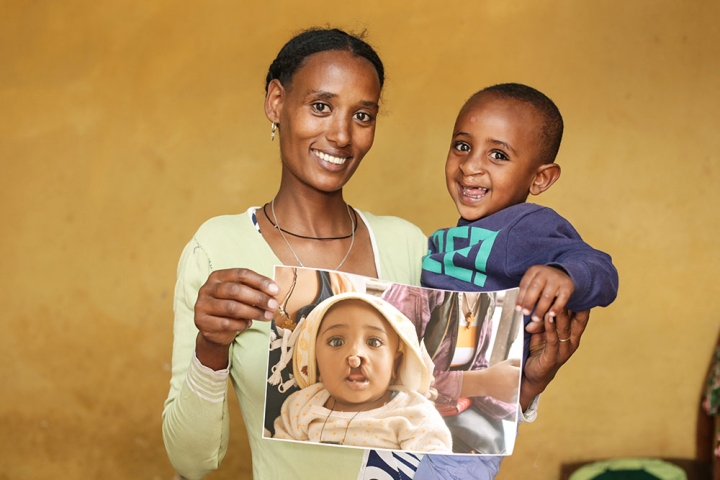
pixel 335 342
pixel 321 107
pixel 363 117
pixel 461 147
pixel 498 156
pixel 374 342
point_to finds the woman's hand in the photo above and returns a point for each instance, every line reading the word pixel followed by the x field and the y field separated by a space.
pixel 551 345
pixel 226 306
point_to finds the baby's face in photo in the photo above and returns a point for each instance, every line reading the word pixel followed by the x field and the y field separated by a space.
pixel 356 351
pixel 493 156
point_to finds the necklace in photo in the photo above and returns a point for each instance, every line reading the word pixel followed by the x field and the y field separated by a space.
pixel 470 313
pixel 347 427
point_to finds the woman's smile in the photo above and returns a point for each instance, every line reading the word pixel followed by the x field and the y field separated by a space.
pixel 336 160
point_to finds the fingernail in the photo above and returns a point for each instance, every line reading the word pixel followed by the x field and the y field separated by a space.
pixel 273 288
pixel 518 308
pixel 268 314
pixel 526 311
pixel 535 318
pixel 273 304
pixel 551 319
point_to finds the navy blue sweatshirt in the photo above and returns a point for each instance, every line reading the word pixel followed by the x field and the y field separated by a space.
pixel 494 253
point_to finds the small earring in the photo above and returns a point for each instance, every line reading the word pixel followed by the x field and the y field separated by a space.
pixel 272 131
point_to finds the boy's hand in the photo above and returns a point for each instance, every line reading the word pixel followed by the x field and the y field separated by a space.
pixel 547 289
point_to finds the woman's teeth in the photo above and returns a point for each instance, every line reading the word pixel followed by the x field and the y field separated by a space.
pixel 330 158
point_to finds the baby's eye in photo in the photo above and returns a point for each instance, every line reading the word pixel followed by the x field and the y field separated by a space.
pixel 374 342
pixel 335 342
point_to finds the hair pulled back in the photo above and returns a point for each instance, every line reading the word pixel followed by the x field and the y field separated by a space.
pixel 295 52
pixel 552 120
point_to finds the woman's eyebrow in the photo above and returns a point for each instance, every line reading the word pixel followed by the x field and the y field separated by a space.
pixel 322 94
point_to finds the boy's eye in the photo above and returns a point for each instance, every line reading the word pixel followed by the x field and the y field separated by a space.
pixel 374 342
pixel 320 107
pixel 496 155
pixel 461 147
pixel 336 342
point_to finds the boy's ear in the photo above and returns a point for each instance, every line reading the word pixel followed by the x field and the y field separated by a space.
pixel 545 176
pixel 396 366
pixel 274 100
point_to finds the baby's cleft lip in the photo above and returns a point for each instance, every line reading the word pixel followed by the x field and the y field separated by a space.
pixel 334 159
pixel 356 376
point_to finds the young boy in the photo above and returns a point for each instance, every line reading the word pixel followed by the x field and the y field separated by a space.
pixel 503 148
pixel 362 376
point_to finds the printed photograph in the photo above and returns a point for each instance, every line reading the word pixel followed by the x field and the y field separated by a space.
pixel 359 362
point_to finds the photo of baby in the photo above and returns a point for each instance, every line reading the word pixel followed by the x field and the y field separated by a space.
pixel 360 362
pixel 363 379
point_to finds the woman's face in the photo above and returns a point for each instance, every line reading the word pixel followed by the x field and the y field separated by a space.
pixel 326 118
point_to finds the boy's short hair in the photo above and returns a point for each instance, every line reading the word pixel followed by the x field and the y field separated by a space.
pixel 552 124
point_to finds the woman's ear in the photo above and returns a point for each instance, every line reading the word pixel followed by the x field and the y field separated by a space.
pixel 545 176
pixel 274 100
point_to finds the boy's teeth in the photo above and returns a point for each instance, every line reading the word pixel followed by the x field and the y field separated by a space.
pixel 330 158
pixel 476 192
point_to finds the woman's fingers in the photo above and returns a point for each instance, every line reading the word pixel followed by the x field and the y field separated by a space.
pixel 579 321
pixel 561 322
pixel 229 300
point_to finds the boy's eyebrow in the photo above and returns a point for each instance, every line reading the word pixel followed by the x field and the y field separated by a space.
pixel 492 140
pixel 500 142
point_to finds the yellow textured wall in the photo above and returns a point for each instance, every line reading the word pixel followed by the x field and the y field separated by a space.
pixel 124 125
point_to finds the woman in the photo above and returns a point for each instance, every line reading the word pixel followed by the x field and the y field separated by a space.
pixel 322 99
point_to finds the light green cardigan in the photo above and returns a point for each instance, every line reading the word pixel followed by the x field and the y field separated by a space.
pixel 195 417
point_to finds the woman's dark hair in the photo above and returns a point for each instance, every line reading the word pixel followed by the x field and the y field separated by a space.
pixel 294 53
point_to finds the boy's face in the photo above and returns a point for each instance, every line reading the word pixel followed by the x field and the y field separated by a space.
pixel 356 351
pixel 493 156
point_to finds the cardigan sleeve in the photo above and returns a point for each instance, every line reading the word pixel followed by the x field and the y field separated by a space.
pixel 195 417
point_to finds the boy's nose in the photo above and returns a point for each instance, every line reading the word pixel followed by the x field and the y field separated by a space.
pixel 472 166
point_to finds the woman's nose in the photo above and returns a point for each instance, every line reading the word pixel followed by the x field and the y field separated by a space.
pixel 339 131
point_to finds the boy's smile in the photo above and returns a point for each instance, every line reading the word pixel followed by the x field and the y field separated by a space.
pixel 493 157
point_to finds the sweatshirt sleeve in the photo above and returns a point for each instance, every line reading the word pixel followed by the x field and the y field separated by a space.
pixel 195 417
pixel 543 237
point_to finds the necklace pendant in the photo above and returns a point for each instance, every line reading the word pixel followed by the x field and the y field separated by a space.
pixel 470 319
pixel 288 324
